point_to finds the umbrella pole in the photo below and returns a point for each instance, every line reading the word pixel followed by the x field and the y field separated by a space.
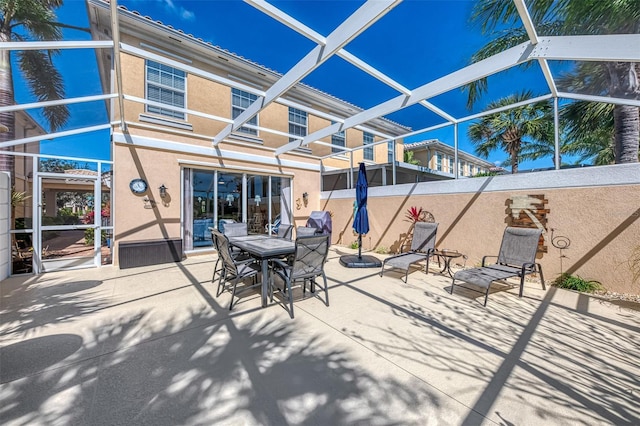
pixel 359 246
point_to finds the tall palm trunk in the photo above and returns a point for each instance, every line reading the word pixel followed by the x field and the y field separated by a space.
pixel 626 120
pixel 623 82
pixel 7 120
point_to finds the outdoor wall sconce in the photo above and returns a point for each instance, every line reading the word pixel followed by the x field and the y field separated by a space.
pixel 257 199
pixel 305 198
pixel 163 191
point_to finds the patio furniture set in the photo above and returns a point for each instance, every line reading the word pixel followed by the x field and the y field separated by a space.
pixel 516 258
pixel 242 256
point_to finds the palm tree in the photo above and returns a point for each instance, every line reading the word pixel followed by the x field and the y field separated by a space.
pixel 514 130
pixel 588 131
pixel 566 17
pixel 592 126
pixel 410 159
pixel 28 20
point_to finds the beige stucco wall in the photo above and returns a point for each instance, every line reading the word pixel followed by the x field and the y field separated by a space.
pixel 214 98
pixel 137 219
pixel 602 223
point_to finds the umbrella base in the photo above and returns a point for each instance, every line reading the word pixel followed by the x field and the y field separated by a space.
pixel 355 261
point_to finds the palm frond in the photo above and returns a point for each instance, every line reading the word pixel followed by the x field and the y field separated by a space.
pixel 36 17
pixel 45 82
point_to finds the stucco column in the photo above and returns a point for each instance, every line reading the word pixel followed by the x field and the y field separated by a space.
pixel 51 208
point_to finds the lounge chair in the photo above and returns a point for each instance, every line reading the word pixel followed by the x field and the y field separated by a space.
pixel 422 246
pixel 517 258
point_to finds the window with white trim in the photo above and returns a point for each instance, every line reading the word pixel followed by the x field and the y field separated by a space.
pixel 450 164
pixel 240 100
pixel 367 152
pixel 390 153
pixel 338 139
pixel 165 85
pixel 297 123
pixel 438 161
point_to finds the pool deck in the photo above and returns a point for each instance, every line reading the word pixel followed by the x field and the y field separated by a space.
pixel 154 345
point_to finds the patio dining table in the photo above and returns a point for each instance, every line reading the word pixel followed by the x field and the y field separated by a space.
pixel 263 248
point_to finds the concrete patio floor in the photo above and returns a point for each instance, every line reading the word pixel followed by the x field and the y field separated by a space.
pixel 154 346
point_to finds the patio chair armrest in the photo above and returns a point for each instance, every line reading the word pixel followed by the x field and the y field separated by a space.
pixel 246 261
pixel 280 263
pixel 528 267
pixel 484 260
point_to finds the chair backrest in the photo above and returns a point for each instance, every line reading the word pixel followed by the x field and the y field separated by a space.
pixel 235 229
pixel 310 256
pixel 224 251
pixel 285 231
pixel 303 231
pixel 424 236
pixel 213 237
pixel 519 245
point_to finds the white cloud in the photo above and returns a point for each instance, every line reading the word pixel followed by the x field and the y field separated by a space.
pixel 181 12
pixel 187 15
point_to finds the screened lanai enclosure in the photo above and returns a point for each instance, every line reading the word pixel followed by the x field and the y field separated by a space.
pixel 131 124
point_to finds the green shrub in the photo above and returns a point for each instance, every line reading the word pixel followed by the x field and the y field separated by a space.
pixel 571 282
pixel 382 250
pixel 353 245
pixel 88 237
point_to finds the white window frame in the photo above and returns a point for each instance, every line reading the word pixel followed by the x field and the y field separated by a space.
pixel 338 139
pixel 297 127
pixel 169 111
pixel 236 110
pixel 367 152
pixel 438 161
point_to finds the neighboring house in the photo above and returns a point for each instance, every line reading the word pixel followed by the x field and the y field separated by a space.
pixel 439 156
pixel 25 127
pixel 179 93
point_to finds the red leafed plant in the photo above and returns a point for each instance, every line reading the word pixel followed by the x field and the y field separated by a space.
pixel 414 214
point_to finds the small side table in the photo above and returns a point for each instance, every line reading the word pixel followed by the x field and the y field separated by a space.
pixel 447 255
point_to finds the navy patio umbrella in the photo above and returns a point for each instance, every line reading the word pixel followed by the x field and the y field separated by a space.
pixel 361 225
pixel 361 219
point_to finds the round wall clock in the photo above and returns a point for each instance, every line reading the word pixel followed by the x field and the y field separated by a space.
pixel 138 186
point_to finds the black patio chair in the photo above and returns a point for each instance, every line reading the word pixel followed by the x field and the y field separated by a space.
pixel 217 268
pixel 516 258
pixel 237 229
pixel 233 270
pixel 303 231
pixel 307 264
pixel 422 247
pixel 285 231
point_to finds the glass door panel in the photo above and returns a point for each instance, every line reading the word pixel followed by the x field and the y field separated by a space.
pixel 203 207
pixel 21 228
pixel 257 203
pixel 280 202
pixel 229 199
pixel 68 223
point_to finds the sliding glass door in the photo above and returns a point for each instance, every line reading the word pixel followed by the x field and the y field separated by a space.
pixel 213 198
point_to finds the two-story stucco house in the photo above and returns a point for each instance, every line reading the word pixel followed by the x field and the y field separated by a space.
pixel 172 178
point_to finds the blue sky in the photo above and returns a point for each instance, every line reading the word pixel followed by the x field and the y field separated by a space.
pixel 415 43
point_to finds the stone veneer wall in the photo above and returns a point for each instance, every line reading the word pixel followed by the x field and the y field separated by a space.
pixel 596 208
